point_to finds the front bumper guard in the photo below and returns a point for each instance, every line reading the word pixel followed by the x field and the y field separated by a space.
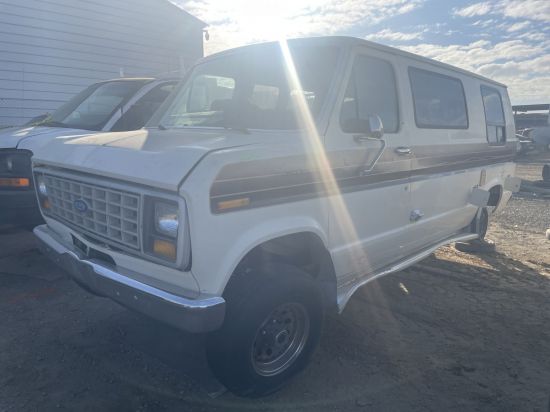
pixel 191 315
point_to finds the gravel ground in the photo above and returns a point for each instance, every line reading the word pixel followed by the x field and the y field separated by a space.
pixel 455 332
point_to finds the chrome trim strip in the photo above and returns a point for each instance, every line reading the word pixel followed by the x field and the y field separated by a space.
pixel 193 315
pixel 150 290
pixel 42 234
pixel 343 300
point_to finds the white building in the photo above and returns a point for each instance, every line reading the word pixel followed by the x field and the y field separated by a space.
pixel 52 49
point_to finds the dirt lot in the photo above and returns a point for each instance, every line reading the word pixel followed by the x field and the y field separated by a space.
pixel 456 332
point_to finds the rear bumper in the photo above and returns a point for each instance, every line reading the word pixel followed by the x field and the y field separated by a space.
pixel 191 315
pixel 19 207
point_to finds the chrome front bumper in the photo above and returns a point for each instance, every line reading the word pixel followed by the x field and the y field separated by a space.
pixel 200 315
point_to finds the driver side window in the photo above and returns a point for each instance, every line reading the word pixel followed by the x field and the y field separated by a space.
pixel 371 91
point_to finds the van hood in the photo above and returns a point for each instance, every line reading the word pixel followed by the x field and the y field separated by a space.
pixel 21 137
pixel 151 157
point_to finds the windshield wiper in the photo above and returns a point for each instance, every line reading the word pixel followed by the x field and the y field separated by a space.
pixel 243 130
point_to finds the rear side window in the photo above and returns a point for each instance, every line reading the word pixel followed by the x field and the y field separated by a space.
pixel 494 115
pixel 371 91
pixel 439 101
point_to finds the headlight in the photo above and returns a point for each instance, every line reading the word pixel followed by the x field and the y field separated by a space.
pixel 15 169
pixel 6 163
pixel 41 187
pixel 166 219
pixel 162 228
pixel 15 162
pixel 42 192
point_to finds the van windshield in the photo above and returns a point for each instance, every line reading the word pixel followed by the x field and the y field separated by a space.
pixel 251 89
pixel 92 108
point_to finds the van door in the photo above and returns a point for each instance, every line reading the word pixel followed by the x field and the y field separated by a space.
pixel 368 219
pixel 444 149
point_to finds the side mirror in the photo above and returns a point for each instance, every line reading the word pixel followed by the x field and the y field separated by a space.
pixel 371 127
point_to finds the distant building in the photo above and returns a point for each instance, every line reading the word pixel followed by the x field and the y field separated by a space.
pixel 52 49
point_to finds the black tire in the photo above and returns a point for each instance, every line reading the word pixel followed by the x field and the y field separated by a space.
pixel 252 300
pixel 480 226
pixel 479 245
pixel 483 224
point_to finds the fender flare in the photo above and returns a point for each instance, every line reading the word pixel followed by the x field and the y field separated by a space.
pixel 260 234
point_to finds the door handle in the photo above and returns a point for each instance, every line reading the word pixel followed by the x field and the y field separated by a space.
pixel 403 151
pixel 359 138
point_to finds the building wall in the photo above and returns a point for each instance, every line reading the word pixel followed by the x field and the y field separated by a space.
pixel 52 49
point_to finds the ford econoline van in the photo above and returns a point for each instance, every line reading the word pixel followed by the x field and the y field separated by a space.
pixel 277 180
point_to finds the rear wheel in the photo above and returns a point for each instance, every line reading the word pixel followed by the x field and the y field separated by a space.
pixel 482 224
pixel 479 225
pixel 272 326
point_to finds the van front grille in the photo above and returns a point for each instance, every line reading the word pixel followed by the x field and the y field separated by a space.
pixel 111 214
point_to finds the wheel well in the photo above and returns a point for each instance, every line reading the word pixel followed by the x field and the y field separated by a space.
pixel 304 250
pixel 495 193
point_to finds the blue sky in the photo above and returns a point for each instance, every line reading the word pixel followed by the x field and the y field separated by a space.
pixel 507 40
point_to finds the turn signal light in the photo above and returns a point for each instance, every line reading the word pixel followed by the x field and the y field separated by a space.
pixel 164 248
pixel 233 204
pixel 14 182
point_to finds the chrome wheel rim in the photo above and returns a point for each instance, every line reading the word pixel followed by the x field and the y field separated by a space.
pixel 280 339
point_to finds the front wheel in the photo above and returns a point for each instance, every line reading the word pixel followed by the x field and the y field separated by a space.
pixel 272 326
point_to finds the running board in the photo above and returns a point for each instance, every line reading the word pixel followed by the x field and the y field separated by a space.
pixel 343 299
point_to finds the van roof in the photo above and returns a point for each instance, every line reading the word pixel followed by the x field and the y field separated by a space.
pixel 347 41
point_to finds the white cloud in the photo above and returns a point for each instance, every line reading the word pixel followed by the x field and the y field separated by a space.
pixel 524 9
pixel 395 36
pixel 484 23
pixel 533 36
pixel 238 22
pixel 477 9
pixel 518 26
pixel 523 67
pixel 527 9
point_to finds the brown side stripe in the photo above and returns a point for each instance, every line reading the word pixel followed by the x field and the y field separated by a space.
pixel 265 187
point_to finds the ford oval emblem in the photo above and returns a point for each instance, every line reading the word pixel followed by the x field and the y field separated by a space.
pixel 80 205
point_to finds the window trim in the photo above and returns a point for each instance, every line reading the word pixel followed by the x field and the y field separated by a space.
pixel 487 124
pixel 441 75
pixel 350 77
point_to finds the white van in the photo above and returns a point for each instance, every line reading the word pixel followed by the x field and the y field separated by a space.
pixel 112 105
pixel 275 182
